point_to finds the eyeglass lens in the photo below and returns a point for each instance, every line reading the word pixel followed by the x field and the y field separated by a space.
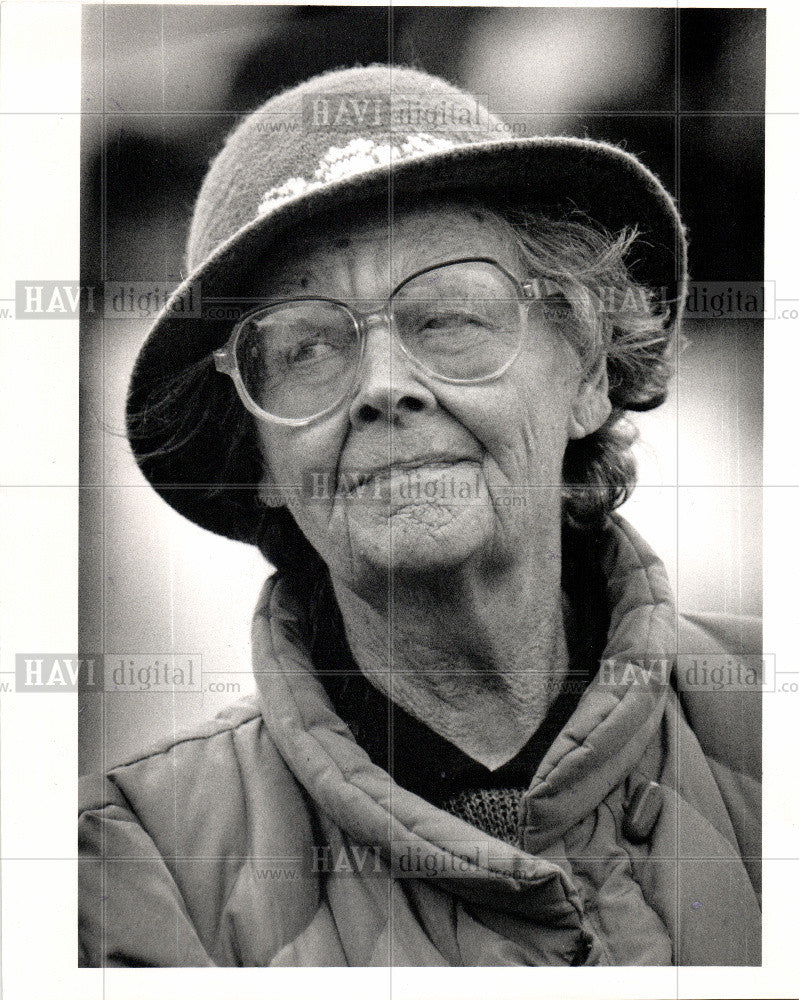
pixel 461 321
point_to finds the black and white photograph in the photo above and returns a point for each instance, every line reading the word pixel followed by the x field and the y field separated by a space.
pixel 421 362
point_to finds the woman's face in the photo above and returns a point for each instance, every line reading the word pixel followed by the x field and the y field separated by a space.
pixel 410 473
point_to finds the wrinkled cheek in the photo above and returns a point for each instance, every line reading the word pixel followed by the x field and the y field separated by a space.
pixel 337 527
pixel 301 463
pixel 536 455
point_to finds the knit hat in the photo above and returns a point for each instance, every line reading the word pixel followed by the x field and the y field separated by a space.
pixel 336 141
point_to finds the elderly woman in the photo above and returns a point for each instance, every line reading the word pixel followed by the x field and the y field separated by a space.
pixel 466 747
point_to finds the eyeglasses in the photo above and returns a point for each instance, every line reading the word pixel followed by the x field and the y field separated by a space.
pixel 295 360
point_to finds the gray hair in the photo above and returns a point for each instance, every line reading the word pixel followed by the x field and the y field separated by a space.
pixel 603 311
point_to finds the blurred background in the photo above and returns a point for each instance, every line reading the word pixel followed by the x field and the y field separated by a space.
pixel 163 85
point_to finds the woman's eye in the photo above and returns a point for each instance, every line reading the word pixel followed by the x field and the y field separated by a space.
pixel 311 351
pixel 454 321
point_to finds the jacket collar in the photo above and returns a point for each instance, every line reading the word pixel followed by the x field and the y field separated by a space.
pixel 623 707
pixel 600 745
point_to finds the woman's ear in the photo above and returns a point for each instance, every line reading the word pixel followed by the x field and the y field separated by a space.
pixel 591 406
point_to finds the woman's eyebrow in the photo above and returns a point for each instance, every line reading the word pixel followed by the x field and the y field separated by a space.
pixel 292 284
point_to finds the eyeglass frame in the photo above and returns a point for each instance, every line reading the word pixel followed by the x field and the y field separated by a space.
pixel 226 360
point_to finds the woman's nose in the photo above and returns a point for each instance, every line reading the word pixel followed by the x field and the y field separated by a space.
pixel 388 387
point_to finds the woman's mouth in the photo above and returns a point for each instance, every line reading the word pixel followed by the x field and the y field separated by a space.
pixel 359 480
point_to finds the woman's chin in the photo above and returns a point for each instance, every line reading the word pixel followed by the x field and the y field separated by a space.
pixel 422 537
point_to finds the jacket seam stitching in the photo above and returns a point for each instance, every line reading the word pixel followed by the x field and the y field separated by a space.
pixel 246 854
pixel 185 739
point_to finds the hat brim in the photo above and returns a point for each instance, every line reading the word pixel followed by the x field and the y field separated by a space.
pixel 606 183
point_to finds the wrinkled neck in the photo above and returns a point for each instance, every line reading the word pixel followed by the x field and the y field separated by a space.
pixel 475 657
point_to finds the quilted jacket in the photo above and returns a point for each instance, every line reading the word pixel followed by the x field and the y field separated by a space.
pixel 268 837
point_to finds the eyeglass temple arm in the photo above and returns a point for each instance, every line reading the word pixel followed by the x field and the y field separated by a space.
pixel 540 288
pixel 224 361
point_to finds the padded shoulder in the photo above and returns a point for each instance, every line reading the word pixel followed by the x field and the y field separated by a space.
pixel 189 823
pixel 720 633
pixel 719 678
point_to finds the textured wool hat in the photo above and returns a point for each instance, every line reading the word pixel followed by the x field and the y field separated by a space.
pixel 339 140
